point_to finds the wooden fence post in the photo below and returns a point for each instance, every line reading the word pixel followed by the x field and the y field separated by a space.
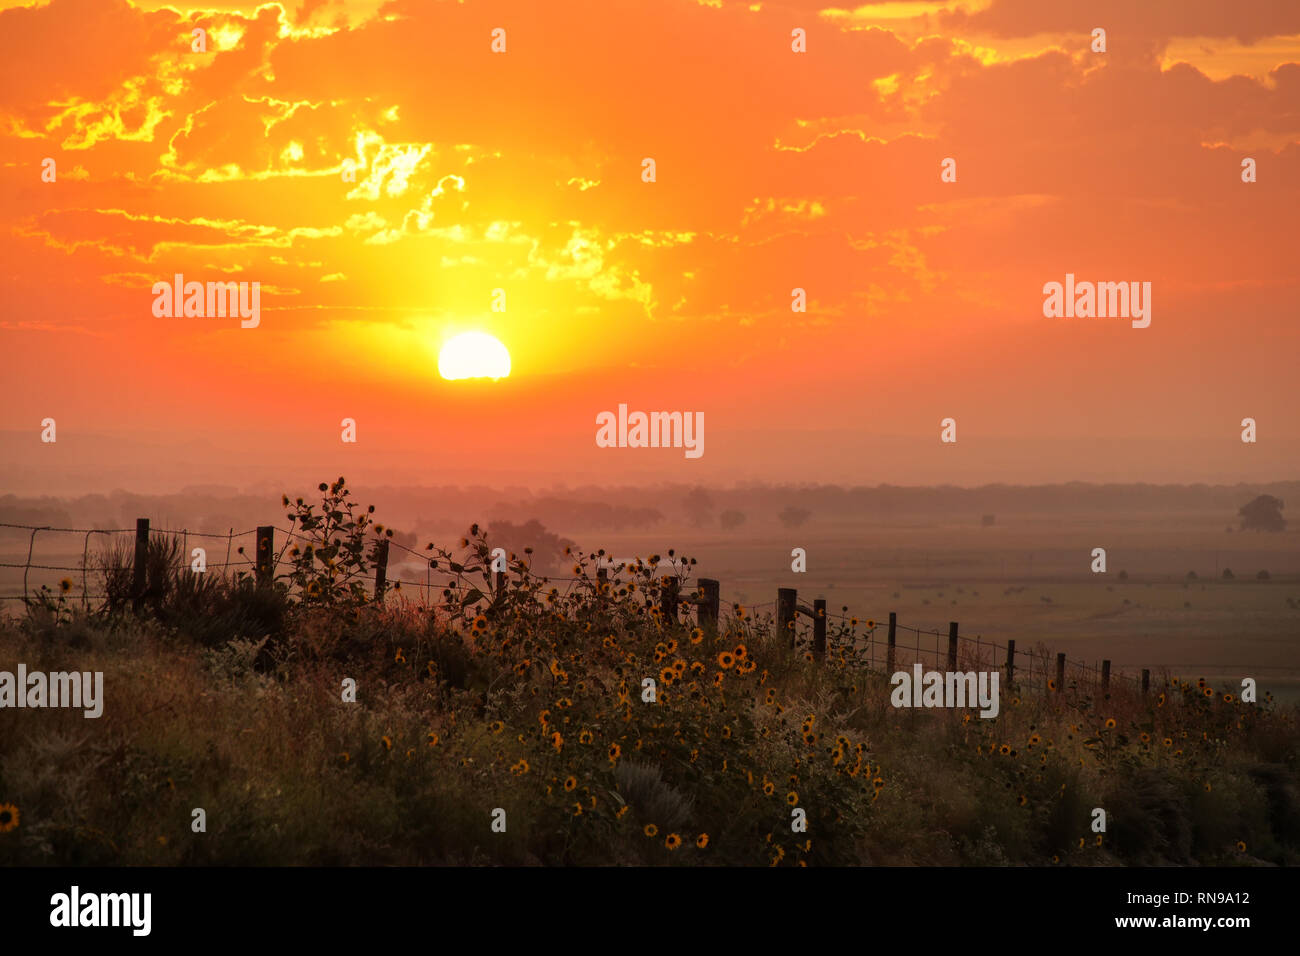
pixel 139 579
pixel 786 599
pixel 1146 681
pixel 381 568
pixel 1011 662
pixel 1105 675
pixel 893 637
pixel 952 646
pixel 709 606
pixel 264 554
pixel 819 628
pixel 1060 673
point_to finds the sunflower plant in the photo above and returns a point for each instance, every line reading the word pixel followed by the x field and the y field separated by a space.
pixel 332 547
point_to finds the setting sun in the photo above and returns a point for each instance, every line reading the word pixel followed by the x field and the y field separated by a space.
pixel 473 355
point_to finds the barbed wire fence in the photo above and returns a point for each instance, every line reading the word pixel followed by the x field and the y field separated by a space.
pixel 857 641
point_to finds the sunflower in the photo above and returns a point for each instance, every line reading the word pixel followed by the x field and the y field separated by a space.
pixel 697 635
pixel 65 585
pixel 570 783
pixel 585 737
pixel 702 840
pixel 1004 750
pixel 496 726
pixel 792 798
pixel 313 589
pixel 878 782
pixel 740 652
pixel 769 788
pixel 672 841
pixel 1241 847
pixel 9 817
pixel 1168 741
pixel 480 624
pixel 387 742
pixel 1227 698
pixel 651 830
pixel 726 659
pixel 557 741
pixel 1023 800
pixel 520 768
pixel 1110 723
pixel 615 751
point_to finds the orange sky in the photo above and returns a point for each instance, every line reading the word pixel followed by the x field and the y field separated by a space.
pixel 522 171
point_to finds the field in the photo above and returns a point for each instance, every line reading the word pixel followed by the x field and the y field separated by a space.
pixel 520 730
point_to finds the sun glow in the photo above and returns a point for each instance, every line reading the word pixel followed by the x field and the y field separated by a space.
pixel 473 355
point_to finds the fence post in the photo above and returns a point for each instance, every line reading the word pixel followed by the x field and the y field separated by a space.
pixel 668 597
pixel 819 628
pixel 1060 673
pixel 265 550
pixel 1011 662
pixel 381 568
pixel 786 599
pixel 893 636
pixel 952 646
pixel 139 578
pixel 1105 675
pixel 708 613
pixel 1146 681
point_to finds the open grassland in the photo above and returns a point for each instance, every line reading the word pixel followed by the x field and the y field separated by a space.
pixel 530 706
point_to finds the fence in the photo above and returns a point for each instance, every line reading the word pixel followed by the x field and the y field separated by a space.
pixel 1030 668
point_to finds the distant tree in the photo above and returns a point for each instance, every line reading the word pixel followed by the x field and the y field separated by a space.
pixel 548 548
pixel 793 517
pixel 405 538
pixel 699 507
pixel 1263 514
pixel 1227 574
pixel 731 519
pixel 1262 576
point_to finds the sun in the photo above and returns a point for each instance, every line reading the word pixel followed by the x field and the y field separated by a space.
pixel 473 355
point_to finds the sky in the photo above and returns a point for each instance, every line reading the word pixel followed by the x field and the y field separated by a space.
pixel 523 171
